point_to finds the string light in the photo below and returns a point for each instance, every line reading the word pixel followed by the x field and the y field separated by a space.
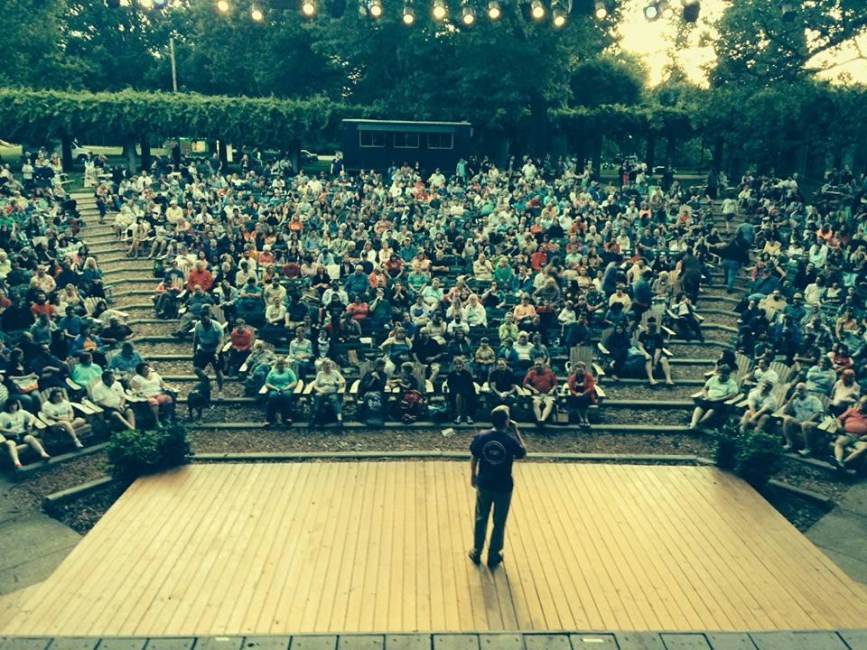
pixel 601 10
pixel 468 15
pixel 256 14
pixel 146 4
pixel 439 10
pixel 494 10
pixel 537 10
pixel 559 16
pixel 308 8
pixel 408 15
pixel 376 8
pixel 223 6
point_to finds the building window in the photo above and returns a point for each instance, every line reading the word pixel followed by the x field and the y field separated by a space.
pixel 406 140
pixel 440 140
pixel 371 139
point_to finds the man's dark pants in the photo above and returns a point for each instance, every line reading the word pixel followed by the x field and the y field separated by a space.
pixel 485 500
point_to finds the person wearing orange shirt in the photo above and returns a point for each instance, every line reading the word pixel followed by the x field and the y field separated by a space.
pixel 200 276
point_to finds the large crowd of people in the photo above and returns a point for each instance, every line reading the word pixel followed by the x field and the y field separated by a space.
pixel 431 295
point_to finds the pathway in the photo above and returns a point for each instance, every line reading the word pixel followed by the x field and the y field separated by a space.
pixel 841 533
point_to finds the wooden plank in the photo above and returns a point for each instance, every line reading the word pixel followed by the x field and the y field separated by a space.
pixel 246 606
pixel 267 601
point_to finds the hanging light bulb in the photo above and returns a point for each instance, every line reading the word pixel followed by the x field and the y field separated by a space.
pixel 146 4
pixel 601 10
pixel 256 14
pixel 223 6
pixel 468 15
pixel 375 8
pixel 651 11
pixel 439 10
pixel 408 15
pixel 559 14
pixel 537 10
pixel 494 10
pixel 308 8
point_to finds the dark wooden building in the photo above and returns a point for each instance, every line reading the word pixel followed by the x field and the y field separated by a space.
pixel 377 144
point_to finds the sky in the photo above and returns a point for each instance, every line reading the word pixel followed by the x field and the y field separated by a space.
pixel 652 42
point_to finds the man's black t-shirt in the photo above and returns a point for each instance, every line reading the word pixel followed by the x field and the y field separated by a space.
pixel 651 342
pixel 495 452
pixel 501 379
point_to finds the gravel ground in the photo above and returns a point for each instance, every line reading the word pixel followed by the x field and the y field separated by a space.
pixel 693 351
pixel 162 328
pixel 802 513
pixel 29 493
pixel 616 390
pixel 82 514
pixel 814 479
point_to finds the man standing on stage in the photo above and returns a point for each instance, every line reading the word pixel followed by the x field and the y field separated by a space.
pixel 491 474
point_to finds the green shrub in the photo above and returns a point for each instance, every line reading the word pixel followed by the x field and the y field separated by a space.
pixel 134 453
pixel 726 450
pixel 759 456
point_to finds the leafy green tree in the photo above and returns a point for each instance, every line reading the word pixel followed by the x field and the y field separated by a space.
pixel 757 45
pixel 608 80
pixel 33 47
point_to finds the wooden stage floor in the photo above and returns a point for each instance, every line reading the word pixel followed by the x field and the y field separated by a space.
pixel 381 546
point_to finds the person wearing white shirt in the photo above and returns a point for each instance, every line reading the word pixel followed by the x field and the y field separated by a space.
pixel 147 383
pixel 327 388
pixel 474 313
pixel 109 395
pixel 16 426
pixel 57 412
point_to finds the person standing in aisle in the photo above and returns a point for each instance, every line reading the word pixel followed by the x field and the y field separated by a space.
pixel 493 452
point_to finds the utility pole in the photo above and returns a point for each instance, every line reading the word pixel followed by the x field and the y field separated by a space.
pixel 174 67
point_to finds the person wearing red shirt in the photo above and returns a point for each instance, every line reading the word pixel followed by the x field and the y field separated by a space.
pixel 357 311
pixel 852 431
pixel 541 381
pixel 241 340
pixel 582 391
pixel 200 276
pixel 539 259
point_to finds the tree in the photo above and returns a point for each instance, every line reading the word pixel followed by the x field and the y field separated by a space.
pixel 757 45
pixel 608 80
pixel 32 45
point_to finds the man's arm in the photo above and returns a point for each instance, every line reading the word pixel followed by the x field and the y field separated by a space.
pixel 474 466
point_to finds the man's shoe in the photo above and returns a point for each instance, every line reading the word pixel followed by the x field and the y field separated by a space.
pixel 475 556
pixel 495 560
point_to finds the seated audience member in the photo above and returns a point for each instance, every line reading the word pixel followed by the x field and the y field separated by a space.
pixel 801 413
pixel 148 384
pixel 761 404
pixel 582 391
pixel 651 343
pixel 844 393
pixel 280 382
pixel 328 387
pixel 17 427
pixel 241 338
pixel 541 381
pixel 719 388
pixel 852 432
pixel 108 394
pixel 58 413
